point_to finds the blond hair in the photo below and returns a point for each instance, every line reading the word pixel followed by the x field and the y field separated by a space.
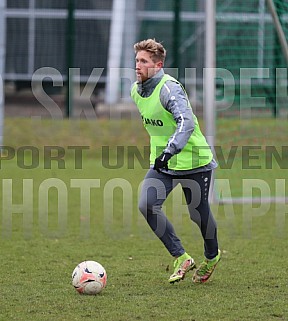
pixel 158 52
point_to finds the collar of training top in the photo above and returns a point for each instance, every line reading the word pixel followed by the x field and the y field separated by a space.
pixel 151 83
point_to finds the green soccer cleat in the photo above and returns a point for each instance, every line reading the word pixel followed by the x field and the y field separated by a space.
pixel 206 268
pixel 182 265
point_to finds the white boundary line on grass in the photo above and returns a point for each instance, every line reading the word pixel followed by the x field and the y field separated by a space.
pixel 253 200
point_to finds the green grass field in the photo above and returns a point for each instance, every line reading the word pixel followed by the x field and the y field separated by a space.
pixel 66 222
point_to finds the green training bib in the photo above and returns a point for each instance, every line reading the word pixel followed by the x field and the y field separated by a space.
pixel 161 126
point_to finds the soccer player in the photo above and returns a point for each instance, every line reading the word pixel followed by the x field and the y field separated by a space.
pixel 179 153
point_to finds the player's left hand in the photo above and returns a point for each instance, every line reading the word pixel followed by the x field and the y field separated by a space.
pixel 161 162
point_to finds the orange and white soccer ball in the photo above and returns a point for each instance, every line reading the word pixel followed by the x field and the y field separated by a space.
pixel 89 277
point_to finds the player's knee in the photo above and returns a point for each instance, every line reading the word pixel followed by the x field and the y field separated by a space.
pixel 146 207
pixel 195 216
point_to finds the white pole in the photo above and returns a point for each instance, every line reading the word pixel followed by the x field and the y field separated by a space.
pixel 130 33
pixel 261 39
pixel 115 50
pixel 209 73
pixel 209 81
pixel 31 37
pixel 2 64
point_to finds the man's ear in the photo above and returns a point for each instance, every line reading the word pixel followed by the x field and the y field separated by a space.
pixel 159 64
